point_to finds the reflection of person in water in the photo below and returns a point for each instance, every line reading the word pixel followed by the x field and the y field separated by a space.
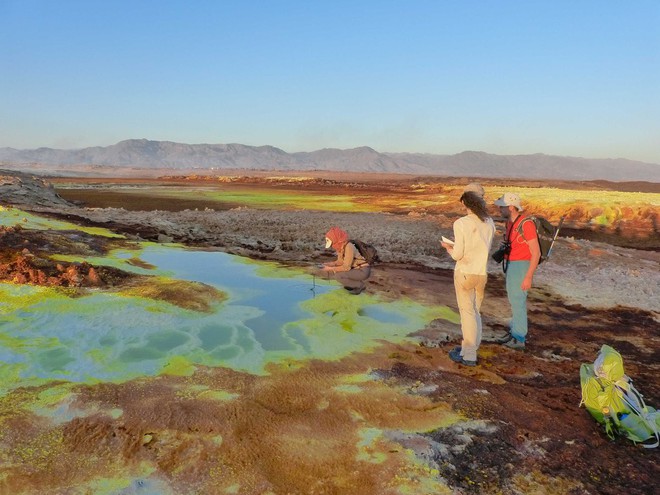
pixel 350 268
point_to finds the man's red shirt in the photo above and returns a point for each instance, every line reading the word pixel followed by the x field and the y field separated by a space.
pixel 519 247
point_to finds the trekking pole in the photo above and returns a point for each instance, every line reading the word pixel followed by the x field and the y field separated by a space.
pixel 561 221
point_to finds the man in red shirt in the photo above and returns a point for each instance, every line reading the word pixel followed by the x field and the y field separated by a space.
pixel 520 264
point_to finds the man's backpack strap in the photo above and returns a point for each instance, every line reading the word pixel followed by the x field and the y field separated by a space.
pixel 546 234
pixel 522 222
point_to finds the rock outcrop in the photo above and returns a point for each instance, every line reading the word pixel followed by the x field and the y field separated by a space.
pixel 21 189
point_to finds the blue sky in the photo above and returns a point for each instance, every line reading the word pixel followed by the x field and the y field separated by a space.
pixel 578 78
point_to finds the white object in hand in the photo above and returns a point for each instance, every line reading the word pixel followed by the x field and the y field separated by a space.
pixel 447 241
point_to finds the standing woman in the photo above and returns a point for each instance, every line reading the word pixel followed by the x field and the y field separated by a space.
pixel 351 269
pixel 473 236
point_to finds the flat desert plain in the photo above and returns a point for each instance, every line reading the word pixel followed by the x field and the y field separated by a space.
pixel 395 417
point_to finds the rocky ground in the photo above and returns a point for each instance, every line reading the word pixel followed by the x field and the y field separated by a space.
pixel 526 433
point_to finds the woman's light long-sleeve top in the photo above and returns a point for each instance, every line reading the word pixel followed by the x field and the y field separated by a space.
pixel 472 242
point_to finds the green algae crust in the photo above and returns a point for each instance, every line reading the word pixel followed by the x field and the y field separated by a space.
pixel 15 216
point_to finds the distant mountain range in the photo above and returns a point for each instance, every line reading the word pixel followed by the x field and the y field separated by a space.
pixel 145 154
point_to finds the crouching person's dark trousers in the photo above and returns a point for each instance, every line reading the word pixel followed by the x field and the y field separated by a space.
pixel 354 278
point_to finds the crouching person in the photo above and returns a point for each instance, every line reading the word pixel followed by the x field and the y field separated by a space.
pixel 351 268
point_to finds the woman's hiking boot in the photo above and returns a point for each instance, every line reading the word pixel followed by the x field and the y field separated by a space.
pixel 455 355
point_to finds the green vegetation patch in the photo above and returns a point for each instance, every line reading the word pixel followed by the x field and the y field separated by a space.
pixel 602 208
pixel 263 198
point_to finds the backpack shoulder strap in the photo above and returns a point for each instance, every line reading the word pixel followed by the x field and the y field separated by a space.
pixel 522 222
pixel 358 245
pixel 510 229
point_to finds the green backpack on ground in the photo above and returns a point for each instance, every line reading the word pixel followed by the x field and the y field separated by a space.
pixel 609 396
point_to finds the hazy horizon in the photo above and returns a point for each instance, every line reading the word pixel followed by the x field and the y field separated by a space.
pixel 507 78
pixel 329 148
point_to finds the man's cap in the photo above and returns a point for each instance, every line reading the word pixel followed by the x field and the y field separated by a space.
pixel 509 199
pixel 475 188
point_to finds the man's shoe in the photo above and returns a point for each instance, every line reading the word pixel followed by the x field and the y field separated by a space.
pixel 506 338
pixel 514 344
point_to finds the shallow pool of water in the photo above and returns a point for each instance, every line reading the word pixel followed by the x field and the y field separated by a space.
pixel 270 313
